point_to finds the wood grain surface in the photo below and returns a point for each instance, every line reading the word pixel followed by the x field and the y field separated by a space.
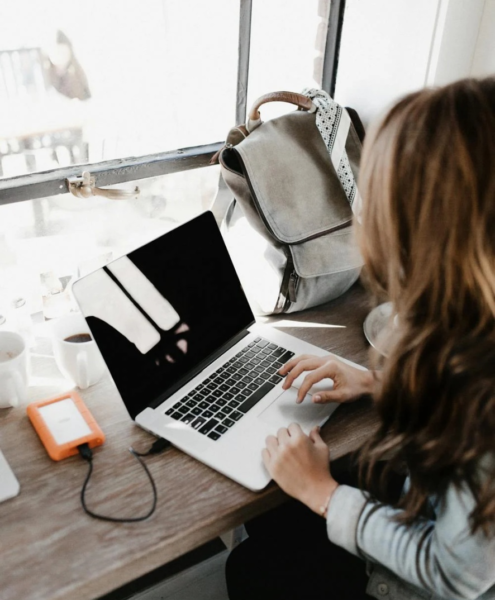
pixel 50 549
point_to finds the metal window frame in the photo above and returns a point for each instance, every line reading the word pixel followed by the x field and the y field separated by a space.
pixel 53 182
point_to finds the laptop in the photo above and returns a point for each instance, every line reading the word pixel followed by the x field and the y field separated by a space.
pixel 192 366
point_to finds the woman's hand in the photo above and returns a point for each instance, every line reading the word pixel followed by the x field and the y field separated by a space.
pixel 300 466
pixel 348 382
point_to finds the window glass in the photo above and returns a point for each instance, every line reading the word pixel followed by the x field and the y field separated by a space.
pixel 85 80
pixel 44 243
pixel 287 47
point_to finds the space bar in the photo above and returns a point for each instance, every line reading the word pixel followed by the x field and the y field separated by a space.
pixel 256 397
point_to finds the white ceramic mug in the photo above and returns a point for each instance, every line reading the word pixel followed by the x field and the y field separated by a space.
pixel 81 362
pixel 13 369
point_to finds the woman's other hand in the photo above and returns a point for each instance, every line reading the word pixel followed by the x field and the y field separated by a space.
pixel 300 465
pixel 348 382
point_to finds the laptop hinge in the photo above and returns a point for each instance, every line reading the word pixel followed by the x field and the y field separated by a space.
pixel 199 367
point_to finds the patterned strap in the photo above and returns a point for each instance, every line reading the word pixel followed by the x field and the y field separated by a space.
pixel 333 123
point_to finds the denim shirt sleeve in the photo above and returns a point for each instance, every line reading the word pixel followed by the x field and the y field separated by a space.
pixel 439 556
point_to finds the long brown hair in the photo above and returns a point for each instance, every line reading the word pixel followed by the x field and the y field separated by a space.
pixel 428 240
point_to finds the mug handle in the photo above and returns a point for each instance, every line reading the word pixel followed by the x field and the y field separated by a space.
pixel 82 370
pixel 13 388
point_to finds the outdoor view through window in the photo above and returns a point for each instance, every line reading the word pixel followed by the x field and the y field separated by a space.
pixel 84 81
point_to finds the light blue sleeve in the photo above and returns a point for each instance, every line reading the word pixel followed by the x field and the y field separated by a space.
pixel 441 556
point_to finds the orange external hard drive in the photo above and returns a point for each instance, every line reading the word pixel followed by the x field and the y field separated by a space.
pixel 64 423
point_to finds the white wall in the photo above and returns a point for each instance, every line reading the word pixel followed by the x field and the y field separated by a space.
pixel 484 55
pixel 384 53
pixel 392 47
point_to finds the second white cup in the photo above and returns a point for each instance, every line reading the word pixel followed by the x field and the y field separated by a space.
pixel 76 353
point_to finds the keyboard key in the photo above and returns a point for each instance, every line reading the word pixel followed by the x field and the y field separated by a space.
pixel 231 370
pixel 278 365
pixel 230 382
pixel 247 379
pixel 189 418
pixel 221 428
pixel 214 435
pixel 183 410
pixel 272 346
pixel 212 423
pixel 285 357
pixel 258 339
pixel 255 398
pixel 234 403
pixel 197 423
pixel 214 408
pixel 236 415
pixel 211 387
pixel 253 387
pixel 266 351
pixel 234 391
pixel 271 369
pixel 275 379
pixel 227 409
pixel 221 402
pixel 265 364
pixel 271 359
pixel 224 388
pixel 258 381
pixel 237 376
pixel 265 376
pixel 251 344
pixel 278 352
pixel 203 405
pixel 207 414
pixel 255 361
pixel 196 411
pixel 241 385
pixel 228 422
pixel 222 415
pixel 170 411
pixel 259 369
pixel 217 394
pixel 262 343
pixel 199 387
pixel 243 360
pixel 177 416
pixel 249 354
pixel 191 403
pixel 238 365
pixel 220 380
pixel 228 396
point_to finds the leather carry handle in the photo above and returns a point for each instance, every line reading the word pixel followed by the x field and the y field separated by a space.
pixel 303 102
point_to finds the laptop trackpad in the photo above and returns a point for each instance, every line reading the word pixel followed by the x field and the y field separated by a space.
pixel 283 411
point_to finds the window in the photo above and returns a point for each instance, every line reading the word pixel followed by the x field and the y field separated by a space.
pixel 136 95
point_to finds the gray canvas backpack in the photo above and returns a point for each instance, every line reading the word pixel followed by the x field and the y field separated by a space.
pixel 289 227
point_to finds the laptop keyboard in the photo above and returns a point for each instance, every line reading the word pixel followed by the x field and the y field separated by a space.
pixel 216 404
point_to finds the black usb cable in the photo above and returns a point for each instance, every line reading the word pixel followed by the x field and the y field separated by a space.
pixel 86 453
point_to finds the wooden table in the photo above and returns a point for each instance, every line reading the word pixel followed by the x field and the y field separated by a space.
pixel 50 549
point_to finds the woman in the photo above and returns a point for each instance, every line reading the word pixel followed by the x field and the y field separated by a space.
pixel 428 240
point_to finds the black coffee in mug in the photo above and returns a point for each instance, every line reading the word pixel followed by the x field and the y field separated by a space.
pixel 78 338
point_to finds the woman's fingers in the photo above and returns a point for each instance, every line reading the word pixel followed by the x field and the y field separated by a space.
pixel 295 430
pixel 271 443
pixel 306 364
pixel 331 396
pixel 326 371
pixel 283 435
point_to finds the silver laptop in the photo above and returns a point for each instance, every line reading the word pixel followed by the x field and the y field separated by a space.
pixel 176 331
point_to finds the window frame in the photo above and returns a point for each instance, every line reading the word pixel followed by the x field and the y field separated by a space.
pixel 53 182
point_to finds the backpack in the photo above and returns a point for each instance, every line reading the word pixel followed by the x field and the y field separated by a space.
pixel 289 227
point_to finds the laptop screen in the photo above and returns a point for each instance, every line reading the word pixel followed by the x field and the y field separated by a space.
pixel 158 313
